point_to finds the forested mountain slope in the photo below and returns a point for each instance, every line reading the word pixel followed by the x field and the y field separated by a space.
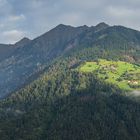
pixel 36 55
pixel 51 100
pixel 66 104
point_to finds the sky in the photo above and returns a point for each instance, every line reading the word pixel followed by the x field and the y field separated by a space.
pixel 31 18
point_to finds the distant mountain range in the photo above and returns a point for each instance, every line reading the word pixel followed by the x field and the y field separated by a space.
pixel 22 62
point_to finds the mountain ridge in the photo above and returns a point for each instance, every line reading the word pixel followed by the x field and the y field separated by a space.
pixel 46 94
pixel 101 25
pixel 35 55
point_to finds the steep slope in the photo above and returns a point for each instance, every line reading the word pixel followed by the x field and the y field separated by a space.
pixel 102 40
pixel 33 57
pixel 5 51
pixel 64 104
pixel 24 41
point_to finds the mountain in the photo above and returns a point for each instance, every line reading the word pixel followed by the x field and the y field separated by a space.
pixel 101 26
pixel 67 104
pixel 24 41
pixel 50 98
pixel 7 50
pixel 26 62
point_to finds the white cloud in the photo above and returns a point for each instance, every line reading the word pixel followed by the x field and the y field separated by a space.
pixel 3 2
pixel 1 25
pixel 39 16
pixel 13 35
pixel 16 18
pixel 121 12
pixel 85 4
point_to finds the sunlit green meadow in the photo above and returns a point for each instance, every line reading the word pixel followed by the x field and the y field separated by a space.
pixel 123 74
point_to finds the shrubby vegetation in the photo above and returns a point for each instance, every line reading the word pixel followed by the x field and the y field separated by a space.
pixel 67 104
pixel 64 104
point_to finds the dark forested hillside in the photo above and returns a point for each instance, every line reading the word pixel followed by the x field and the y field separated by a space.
pixel 48 99
pixel 65 104
pixel 22 66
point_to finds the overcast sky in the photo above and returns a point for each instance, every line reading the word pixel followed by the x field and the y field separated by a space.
pixel 31 18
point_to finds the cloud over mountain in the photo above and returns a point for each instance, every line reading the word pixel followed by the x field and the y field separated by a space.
pixel 33 17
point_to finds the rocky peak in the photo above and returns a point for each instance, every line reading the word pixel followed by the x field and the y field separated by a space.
pixel 22 42
pixel 101 26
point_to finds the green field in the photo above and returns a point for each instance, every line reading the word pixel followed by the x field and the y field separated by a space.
pixel 125 75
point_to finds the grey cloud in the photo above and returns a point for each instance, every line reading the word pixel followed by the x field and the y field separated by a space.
pixel 34 17
pixel 13 35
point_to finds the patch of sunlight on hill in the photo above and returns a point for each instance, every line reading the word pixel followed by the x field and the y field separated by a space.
pixel 123 74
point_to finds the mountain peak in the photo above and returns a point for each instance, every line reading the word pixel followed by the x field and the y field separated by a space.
pixel 23 41
pixel 101 26
pixel 61 26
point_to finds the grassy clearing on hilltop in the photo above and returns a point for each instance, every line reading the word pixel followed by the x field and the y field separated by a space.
pixel 123 74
